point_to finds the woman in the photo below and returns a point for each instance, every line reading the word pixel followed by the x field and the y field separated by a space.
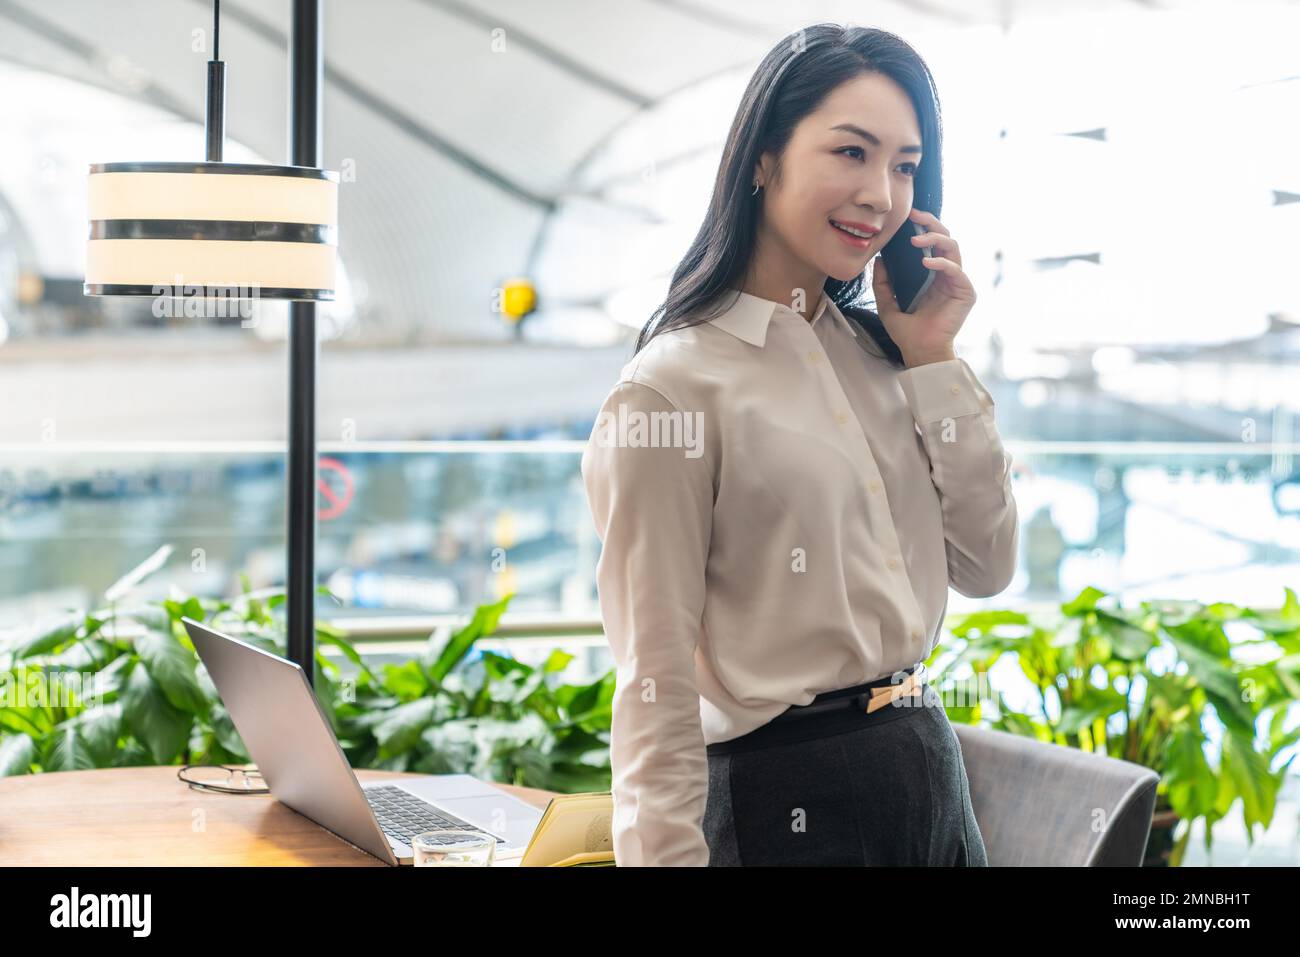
pixel 786 484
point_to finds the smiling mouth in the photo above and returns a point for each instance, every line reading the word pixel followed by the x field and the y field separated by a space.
pixel 850 237
pixel 850 230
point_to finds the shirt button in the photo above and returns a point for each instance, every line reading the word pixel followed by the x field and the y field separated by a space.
pixel 875 486
pixel 916 635
pixel 813 357
pixel 841 417
pixel 893 563
pixel 956 389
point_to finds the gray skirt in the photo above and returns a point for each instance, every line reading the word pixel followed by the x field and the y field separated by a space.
pixel 846 788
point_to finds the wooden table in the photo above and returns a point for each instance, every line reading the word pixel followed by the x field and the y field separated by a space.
pixel 146 816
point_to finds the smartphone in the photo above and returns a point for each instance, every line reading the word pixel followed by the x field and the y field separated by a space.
pixel 907 274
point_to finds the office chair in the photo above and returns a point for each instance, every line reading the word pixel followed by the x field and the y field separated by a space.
pixel 1046 804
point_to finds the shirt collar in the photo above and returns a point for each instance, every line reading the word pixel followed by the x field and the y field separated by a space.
pixel 748 316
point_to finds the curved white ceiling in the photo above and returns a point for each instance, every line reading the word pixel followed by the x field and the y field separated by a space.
pixel 504 137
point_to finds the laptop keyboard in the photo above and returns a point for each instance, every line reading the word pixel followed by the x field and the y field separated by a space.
pixel 402 815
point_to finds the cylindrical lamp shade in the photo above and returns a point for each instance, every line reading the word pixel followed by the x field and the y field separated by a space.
pixel 234 230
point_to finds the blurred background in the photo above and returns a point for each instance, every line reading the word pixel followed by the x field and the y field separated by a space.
pixel 1124 178
pixel 1120 176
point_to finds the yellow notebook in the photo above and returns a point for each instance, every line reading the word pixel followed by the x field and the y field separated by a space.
pixel 576 830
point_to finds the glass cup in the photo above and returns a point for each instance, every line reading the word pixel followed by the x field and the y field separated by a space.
pixel 450 847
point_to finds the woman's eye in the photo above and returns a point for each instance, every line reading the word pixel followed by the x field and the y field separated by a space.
pixel 858 149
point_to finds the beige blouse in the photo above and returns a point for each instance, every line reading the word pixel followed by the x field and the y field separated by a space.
pixel 782 512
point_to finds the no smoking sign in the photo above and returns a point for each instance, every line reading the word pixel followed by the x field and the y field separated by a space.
pixel 335 485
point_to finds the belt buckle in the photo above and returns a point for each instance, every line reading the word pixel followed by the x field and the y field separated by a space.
pixel 892 692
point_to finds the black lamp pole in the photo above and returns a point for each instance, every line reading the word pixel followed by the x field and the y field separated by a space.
pixel 215 126
pixel 306 70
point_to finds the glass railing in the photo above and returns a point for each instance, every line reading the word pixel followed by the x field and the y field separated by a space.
pixel 412 534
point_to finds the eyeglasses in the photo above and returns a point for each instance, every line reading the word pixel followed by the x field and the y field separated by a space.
pixel 223 779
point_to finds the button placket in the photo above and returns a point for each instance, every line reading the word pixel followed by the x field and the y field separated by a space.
pixel 840 401
pixel 817 356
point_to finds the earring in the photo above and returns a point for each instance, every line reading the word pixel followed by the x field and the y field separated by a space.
pixel 755 192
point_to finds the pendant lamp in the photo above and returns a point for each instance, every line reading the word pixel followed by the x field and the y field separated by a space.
pixel 212 229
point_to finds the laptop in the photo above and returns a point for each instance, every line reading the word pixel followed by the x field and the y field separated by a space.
pixel 290 738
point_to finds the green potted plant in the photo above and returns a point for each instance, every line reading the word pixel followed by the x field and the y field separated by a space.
pixel 1137 684
pixel 122 685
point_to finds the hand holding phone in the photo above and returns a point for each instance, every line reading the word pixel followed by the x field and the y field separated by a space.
pixel 900 278
pixel 908 276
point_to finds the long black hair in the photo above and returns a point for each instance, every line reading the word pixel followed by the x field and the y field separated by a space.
pixel 791 82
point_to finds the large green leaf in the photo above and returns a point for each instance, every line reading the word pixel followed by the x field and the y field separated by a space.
pixel 474 744
pixel 17 754
pixel 67 750
pixel 88 654
pixel 224 730
pixel 400 728
pixel 1204 634
pixel 161 726
pixel 1188 778
pixel 99 728
pixel 49 639
pixel 1277 737
pixel 1068 635
pixel 132 755
pixel 189 608
pixel 327 636
pixel 518 686
pixel 484 622
pixel 30 721
pixel 108 680
pixel 557 661
pixel 1173 612
pixel 1127 641
pixel 172 667
pixel 407 680
pixel 1093 704
pixel 1084 602
pixel 1285 622
pixel 583 701
pixel 1252 780
pixel 1216 676
pixel 985 621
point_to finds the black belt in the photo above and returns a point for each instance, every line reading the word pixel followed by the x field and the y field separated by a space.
pixel 856 697
pixel 829 713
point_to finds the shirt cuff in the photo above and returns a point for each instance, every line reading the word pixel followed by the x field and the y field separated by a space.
pixel 938 390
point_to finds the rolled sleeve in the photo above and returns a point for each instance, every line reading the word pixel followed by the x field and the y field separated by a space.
pixel 971 470
pixel 653 510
